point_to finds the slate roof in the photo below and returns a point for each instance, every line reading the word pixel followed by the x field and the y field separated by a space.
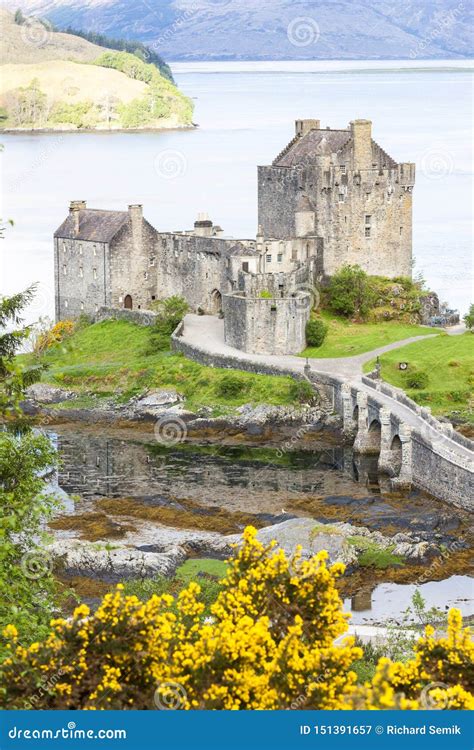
pixel 313 143
pixel 239 249
pixel 94 225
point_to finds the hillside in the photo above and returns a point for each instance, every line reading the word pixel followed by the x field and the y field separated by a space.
pixel 275 29
pixel 18 44
pixel 51 80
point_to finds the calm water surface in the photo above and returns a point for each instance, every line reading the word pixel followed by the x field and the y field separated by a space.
pixel 323 483
pixel 245 112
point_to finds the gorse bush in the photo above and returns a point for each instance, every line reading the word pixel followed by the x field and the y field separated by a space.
pixel 302 392
pixel 231 385
pixel 316 331
pixel 269 644
pixel 418 379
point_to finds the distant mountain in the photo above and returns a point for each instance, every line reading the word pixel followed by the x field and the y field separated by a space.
pixel 274 29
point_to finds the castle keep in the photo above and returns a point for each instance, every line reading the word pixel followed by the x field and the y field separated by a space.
pixel 331 197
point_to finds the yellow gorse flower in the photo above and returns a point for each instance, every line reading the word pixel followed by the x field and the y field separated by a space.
pixel 270 644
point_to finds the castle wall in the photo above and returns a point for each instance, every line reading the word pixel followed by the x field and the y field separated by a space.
pixel 372 203
pixel 194 268
pixel 82 280
pixel 133 264
pixel 266 326
pixel 278 192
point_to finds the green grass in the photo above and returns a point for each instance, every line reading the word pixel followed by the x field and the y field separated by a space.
pixel 370 555
pixel 347 339
pixel 449 363
pixel 111 359
pixel 205 571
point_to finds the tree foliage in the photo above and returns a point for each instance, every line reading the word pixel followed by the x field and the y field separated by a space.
pixel 316 330
pixel 469 318
pixel 28 590
pixel 138 49
pixel 350 293
pixel 269 644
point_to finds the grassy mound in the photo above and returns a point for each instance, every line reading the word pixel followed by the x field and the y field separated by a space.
pixel 347 339
pixel 111 359
pixel 447 361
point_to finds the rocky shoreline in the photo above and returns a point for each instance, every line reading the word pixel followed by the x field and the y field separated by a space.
pixel 163 410
pixel 165 549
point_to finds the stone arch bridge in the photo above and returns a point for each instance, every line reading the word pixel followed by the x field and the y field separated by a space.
pixel 413 447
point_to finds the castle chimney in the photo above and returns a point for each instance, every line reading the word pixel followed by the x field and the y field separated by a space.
pixel 74 211
pixel 135 211
pixel 362 137
pixel 304 126
pixel 203 225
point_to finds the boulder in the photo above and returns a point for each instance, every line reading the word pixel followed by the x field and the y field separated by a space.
pixel 96 560
pixel 43 393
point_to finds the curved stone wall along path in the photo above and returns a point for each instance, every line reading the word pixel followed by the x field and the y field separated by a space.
pixel 413 447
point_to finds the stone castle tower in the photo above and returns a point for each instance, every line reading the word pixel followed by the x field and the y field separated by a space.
pixel 330 198
pixel 341 187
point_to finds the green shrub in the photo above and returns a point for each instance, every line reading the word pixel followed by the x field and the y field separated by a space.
pixel 231 385
pixel 78 114
pixel 302 392
pixel 316 331
pixel 417 380
pixel 265 294
pixel 350 292
pixel 170 313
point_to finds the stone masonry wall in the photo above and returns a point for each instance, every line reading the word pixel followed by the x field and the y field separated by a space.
pixel 82 280
pixel 266 326
pixel 194 268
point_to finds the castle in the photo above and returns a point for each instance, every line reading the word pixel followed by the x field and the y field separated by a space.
pixel 331 197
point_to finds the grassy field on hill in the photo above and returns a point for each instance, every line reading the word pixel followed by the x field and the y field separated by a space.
pixel 347 339
pixel 111 358
pixel 55 81
pixel 448 362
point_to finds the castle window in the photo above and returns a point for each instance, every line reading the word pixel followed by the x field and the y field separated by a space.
pixel 145 275
pixel 280 257
pixel 81 272
pixel 94 273
pixel 341 197
pixel 65 303
pixel 294 253
pixel 401 229
pixel 153 296
pixel 82 305
pixel 345 219
pixel 152 260
pixel 368 219
pixel 64 247
pixel 245 266
pixel 269 258
pixel 94 249
pixel 80 249
pixel 367 231
pixel 64 270
pixel 343 168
